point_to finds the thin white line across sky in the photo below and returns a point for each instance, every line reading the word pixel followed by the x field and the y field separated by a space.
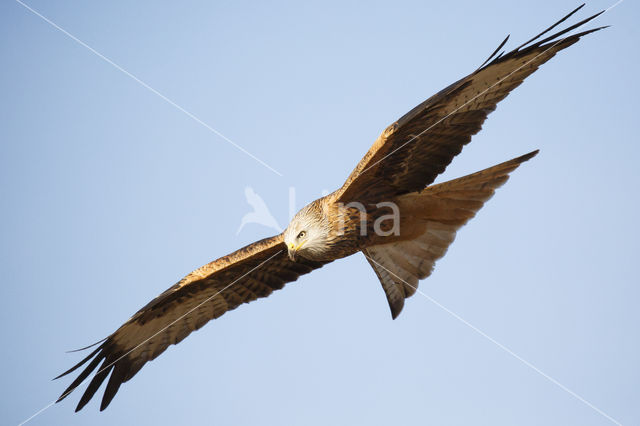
pixel 145 85
pixel 500 345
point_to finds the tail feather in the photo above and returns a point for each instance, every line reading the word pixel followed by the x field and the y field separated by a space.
pixel 431 218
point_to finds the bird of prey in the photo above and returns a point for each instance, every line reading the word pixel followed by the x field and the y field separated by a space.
pixel 388 209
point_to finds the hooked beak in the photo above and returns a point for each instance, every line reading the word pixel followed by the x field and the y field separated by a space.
pixel 292 252
pixel 293 249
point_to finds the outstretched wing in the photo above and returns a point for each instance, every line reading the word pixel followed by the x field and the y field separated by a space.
pixel 205 294
pixel 411 152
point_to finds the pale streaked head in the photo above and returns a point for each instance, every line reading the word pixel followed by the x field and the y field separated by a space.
pixel 306 235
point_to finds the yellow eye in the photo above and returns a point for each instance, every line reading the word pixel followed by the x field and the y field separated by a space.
pixel 301 234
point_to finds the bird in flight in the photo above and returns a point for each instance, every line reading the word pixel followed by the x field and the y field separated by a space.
pixel 388 209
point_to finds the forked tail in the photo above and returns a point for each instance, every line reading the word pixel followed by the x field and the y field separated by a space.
pixel 430 220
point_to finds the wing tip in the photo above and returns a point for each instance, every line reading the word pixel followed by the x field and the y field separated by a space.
pixel 84 360
pixel 496 51
pixel 98 355
pixel 95 383
pixel 552 38
pixel 87 347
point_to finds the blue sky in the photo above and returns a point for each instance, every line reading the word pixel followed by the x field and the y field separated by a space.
pixel 111 194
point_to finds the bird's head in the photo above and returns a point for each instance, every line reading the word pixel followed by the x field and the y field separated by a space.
pixel 306 235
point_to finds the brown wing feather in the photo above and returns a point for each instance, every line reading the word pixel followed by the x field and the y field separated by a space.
pixel 207 293
pixel 411 152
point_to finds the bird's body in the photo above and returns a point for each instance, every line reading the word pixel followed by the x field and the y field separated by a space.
pixel 401 237
pixel 333 229
pixel 387 209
